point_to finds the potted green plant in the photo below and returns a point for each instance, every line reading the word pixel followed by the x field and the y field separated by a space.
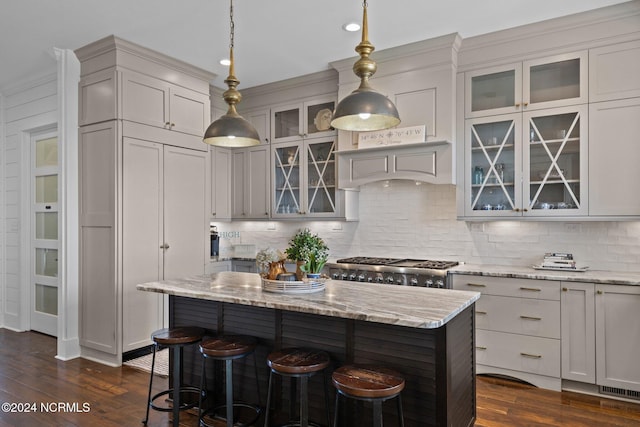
pixel 309 251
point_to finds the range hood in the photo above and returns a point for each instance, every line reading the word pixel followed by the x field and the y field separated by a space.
pixel 424 161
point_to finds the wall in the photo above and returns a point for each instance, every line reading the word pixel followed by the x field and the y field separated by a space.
pixel 28 107
pixel 406 220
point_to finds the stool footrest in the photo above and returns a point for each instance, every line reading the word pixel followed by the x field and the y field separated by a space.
pixel 214 413
pixel 183 404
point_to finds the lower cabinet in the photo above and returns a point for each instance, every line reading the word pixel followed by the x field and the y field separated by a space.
pixel 517 327
pixel 578 332
pixel 618 337
pixel 550 333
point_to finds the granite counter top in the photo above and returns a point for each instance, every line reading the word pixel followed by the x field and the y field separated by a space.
pixel 592 276
pixel 397 305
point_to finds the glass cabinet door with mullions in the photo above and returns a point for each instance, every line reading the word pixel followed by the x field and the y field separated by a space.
pixel 287 178
pixel 493 166
pixel 555 162
pixel 321 177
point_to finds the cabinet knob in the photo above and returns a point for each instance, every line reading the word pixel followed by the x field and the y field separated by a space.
pixel 526 103
pixel 517 105
pixel 266 214
pixel 599 292
pixel 517 209
pixel 173 124
pixel 167 123
pixel 266 140
pixel 213 214
pixel 564 289
pixel 525 210
pixel 165 246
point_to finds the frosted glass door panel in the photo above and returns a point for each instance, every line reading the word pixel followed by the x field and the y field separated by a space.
pixel 47 152
pixel 47 189
pixel 47 299
pixel 47 225
pixel 46 262
pixel 491 91
pixel 555 81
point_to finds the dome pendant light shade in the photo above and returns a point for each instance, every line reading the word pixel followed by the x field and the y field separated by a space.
pixel 231 130
pixel 365 109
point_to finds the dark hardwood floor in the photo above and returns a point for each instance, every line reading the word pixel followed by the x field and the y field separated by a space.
pixel 29 373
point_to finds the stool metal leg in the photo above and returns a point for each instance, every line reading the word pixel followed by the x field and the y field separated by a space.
pixel 377 413
pixel 268 408
pixel 326 398
pixel 304 401
pixel 400 413
pixel 203 376
pixel 153 364
pixel 229 391
pixel 336 410
pixel 176 386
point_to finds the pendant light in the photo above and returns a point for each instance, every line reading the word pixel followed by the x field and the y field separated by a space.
pixel 365 109
pixel 231 130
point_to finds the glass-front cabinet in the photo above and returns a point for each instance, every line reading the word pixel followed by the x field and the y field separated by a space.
pixel 308 119
pixel 304 179
pixel 530 85
pixel 531 164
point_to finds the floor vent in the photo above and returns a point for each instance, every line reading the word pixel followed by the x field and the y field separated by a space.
pixel 621 392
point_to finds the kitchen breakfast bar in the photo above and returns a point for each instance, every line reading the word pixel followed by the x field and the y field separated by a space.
pixel 426 334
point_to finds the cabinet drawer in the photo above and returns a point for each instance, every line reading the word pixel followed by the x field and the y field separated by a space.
pixel 518 352
pixel 522 288
pixel 519 316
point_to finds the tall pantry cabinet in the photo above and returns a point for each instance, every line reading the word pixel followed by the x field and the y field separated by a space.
pixel 144 189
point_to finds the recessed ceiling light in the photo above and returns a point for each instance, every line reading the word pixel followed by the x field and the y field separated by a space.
pixel 351 27
pixel 226 62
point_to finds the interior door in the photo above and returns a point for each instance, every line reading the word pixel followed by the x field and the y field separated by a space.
pixel 44 236
pixel 185 224
pixel 142 206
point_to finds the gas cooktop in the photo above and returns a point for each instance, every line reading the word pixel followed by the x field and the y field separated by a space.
pixel 399 262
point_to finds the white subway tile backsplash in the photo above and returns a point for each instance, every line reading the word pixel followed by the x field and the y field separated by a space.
pixel 405 220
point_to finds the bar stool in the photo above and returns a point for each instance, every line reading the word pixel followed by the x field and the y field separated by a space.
pixel 371 384
pixel 228 348
pixel 175 339
pixel 299 363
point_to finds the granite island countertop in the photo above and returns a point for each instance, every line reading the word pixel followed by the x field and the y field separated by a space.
pixel 397 305
pixel 592 276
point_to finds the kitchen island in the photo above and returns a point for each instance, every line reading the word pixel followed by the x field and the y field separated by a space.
pixel 427 334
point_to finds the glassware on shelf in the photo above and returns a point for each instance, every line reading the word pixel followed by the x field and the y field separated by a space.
pixel 500 171
pixel 478 175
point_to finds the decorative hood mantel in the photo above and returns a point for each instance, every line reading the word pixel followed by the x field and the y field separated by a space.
pixel 420 79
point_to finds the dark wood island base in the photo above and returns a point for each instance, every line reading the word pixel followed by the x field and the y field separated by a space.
pixel 438 364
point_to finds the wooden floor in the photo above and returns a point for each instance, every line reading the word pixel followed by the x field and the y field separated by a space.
pixel 29 374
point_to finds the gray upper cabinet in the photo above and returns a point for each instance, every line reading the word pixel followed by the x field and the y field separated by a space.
pixel 307 119
pixel 220 183
pixel 158 103
pixel 260 119
pixel 535 84
pixel 614 91
pixel 250 183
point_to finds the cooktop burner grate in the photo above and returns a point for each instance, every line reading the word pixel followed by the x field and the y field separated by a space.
pixel 436 265
pixel 367 260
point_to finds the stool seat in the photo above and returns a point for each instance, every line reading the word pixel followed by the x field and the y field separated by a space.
pixel 367 381
pixel 179 335
pixel 226 347
pixel 296 361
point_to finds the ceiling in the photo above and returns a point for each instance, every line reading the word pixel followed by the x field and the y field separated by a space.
pixel 274 39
